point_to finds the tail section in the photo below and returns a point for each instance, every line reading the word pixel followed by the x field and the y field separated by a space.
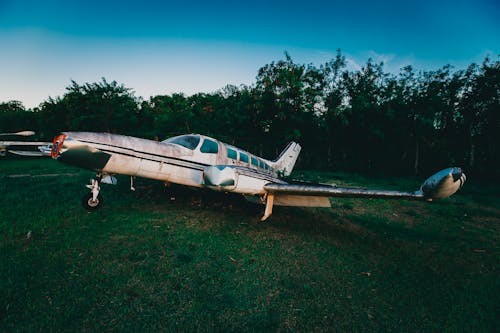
pixel 286 161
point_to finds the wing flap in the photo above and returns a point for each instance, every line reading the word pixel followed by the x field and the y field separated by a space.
pixel 301 201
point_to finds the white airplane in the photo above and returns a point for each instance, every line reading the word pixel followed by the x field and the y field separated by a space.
pixel 200 161
pixel 25 148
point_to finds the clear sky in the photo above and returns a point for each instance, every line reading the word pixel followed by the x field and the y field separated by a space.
pixel 162 47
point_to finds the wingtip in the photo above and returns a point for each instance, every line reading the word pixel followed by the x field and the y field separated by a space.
pixel 444 183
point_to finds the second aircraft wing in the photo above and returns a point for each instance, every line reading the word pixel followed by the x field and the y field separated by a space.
pixel 440 185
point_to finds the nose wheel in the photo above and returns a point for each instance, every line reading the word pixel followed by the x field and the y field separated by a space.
pixel 93 200
pixel 91 204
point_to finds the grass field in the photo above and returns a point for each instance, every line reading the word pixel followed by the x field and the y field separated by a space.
pixel 180 260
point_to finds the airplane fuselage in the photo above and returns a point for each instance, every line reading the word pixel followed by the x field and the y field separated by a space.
pixel 191 160
pixel 200 161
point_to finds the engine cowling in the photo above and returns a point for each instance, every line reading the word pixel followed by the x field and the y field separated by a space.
pixel 220 177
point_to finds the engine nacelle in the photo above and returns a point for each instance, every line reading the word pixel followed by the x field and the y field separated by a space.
pixel 220 177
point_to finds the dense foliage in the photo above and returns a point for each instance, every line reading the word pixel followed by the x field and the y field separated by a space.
pixel 362 120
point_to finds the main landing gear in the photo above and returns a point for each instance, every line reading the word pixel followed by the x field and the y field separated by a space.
pixel 93 200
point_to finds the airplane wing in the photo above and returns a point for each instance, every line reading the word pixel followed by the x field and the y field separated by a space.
pixel 440 185
pixel 23 148
pixel 27 153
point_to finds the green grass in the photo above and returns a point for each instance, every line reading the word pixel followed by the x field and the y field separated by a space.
pixel 147 262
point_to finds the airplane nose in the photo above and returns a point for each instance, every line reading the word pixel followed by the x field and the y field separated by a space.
pixel 69 148
pixel 57 145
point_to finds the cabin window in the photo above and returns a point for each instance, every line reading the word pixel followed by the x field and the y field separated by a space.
pixel 231 153
pixel 243 157
pixel 261 164
pixel 187 141
pixel 266 167
pixel 209 147
pixel 255 161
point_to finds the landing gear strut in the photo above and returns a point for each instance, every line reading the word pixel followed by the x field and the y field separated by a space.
pixel 269 198
pixel 93 200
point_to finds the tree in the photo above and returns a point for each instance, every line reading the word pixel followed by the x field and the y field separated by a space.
pixel 357 120
pixel 366 132
pixel 291 98
pixel 334 118
pixel 14 117
pixel 100 106
pixel 478 114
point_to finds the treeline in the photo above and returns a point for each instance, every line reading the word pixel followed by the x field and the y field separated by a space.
pixel 364 120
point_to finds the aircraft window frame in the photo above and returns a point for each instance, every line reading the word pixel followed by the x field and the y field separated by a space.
pixel 187 141
pixel 209 146
pixel 232 154
pixel 255 161
pixel 244 157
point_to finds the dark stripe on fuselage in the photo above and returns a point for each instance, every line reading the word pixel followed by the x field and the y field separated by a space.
pixel 242 170
pixel 144 153
pixel 138 152
pixel 155 160
pixel 247 172
pixel 253 172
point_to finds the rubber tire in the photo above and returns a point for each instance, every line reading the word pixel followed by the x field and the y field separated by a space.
pixel 89 205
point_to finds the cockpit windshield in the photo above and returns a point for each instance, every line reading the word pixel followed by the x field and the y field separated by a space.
pixel 187 141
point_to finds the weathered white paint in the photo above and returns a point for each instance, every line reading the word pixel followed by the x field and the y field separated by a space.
pixel 171 162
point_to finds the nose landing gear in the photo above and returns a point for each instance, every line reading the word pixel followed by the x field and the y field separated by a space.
pixel 93 200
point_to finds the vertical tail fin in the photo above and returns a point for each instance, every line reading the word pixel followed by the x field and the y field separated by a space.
pixel 286 161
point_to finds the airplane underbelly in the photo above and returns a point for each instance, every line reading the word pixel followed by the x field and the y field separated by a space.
pixel 122 164
pixel 185 176
pixel 170 173
pixel 133 166
pixel 153 170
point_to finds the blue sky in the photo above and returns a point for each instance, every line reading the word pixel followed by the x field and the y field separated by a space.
pixel 161 47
